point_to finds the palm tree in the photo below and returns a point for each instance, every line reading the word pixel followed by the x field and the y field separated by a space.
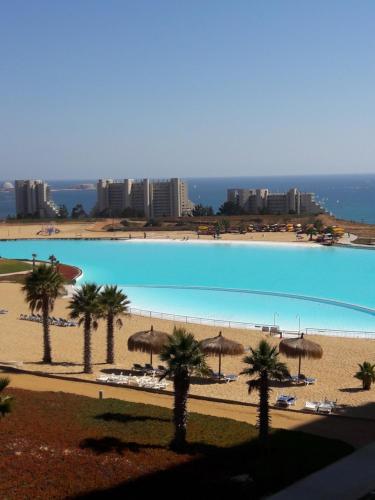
pixel 366 373
pixel 85 307
pixel 5 401
pixel 184 357
pixel 113 304
pixel 42 287
pixel 52 259
pixel 264 362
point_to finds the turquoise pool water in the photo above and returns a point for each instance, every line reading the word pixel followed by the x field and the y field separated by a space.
pixel 326 287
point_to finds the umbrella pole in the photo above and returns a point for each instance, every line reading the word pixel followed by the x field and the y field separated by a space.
pixel 220 364
pixel 299 366
pixel 151 357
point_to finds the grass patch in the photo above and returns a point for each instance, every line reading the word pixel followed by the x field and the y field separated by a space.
pixel 61 445
pixel 13 266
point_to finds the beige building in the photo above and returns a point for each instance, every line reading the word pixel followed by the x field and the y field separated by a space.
pixel 33 198
pixel 148 198
pixel 256 201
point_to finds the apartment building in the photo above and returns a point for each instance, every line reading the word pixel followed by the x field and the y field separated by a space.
pixel 33 199
pixel 150 198
pixel 256 201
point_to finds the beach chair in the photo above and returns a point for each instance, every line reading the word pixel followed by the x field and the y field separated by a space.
pixel 286 400
pixel 137 367
pixel 230 378
pixel 325 408
pixel 311 405
pixel 309 380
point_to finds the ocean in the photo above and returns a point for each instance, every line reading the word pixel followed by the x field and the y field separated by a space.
pixel 350 197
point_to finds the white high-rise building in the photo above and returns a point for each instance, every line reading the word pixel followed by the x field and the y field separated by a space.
pixel 255 201
pixel 33 199
pixel 148 198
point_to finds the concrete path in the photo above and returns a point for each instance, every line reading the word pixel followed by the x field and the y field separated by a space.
pixel 351 478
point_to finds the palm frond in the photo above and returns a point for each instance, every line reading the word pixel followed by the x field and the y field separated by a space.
pixel 4 382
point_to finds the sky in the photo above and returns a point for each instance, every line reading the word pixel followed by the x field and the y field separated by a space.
pixel 164 88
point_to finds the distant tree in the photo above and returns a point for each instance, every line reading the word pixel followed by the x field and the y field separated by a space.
pixel 230 208
pixel 63 212
pixel 202 211
pixel 225 225
pixel 366 374
pixel 218 228
pixel 42 287
pixel 78 212
pixel 5 401
pixel 132 212
pixel 153 223
pixel 318 224
pixel 311 231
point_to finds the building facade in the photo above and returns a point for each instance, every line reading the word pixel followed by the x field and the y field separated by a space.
pixel 255 201
pixel 148 198
pixel 33 199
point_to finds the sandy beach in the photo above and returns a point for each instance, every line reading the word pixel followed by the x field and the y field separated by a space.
pixel 95 230
pixel 21 341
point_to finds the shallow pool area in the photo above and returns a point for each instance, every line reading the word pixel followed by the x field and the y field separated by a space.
pixel 291 285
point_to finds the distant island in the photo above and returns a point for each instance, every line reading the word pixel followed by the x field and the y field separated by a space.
pixel 77 187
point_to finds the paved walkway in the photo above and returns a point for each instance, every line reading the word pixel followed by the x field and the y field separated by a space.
pixel 351 478
pixel 357 432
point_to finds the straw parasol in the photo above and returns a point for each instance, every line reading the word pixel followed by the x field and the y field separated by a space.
pixel 150 341
pixel 300 348
pixel 221 346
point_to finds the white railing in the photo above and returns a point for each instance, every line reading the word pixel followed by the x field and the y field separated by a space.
pixel 359 334
pixel 198 320
pixel 249 326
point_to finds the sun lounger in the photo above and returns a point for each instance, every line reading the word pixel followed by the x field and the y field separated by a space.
pixel 325 408
pixel 311 405
pixel 309 380
pixel 138 367
pixel 286 400
pixel 230 378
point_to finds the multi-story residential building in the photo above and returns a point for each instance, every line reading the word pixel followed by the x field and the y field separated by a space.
pixel 150 198
pixel 256 201
pixel 33 198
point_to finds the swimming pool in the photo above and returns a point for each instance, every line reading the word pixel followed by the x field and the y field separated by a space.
pixel 317 286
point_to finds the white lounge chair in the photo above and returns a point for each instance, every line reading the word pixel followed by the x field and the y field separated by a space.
pixel 311 405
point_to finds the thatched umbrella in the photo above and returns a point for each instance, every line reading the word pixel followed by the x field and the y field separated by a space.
pixel 300 348
pixel 150 341
pixel 221 346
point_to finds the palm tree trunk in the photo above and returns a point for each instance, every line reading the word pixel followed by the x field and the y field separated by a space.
pixel 181 390
pixel 47 350
pixel 110 339
pixel 264 416
pixel 87 345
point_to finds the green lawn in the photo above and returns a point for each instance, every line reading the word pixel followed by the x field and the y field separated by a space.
pixel 13 266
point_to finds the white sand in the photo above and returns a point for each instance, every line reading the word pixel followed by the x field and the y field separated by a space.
pixel 22 341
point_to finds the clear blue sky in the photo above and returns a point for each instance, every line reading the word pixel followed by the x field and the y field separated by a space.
pixel 198 87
